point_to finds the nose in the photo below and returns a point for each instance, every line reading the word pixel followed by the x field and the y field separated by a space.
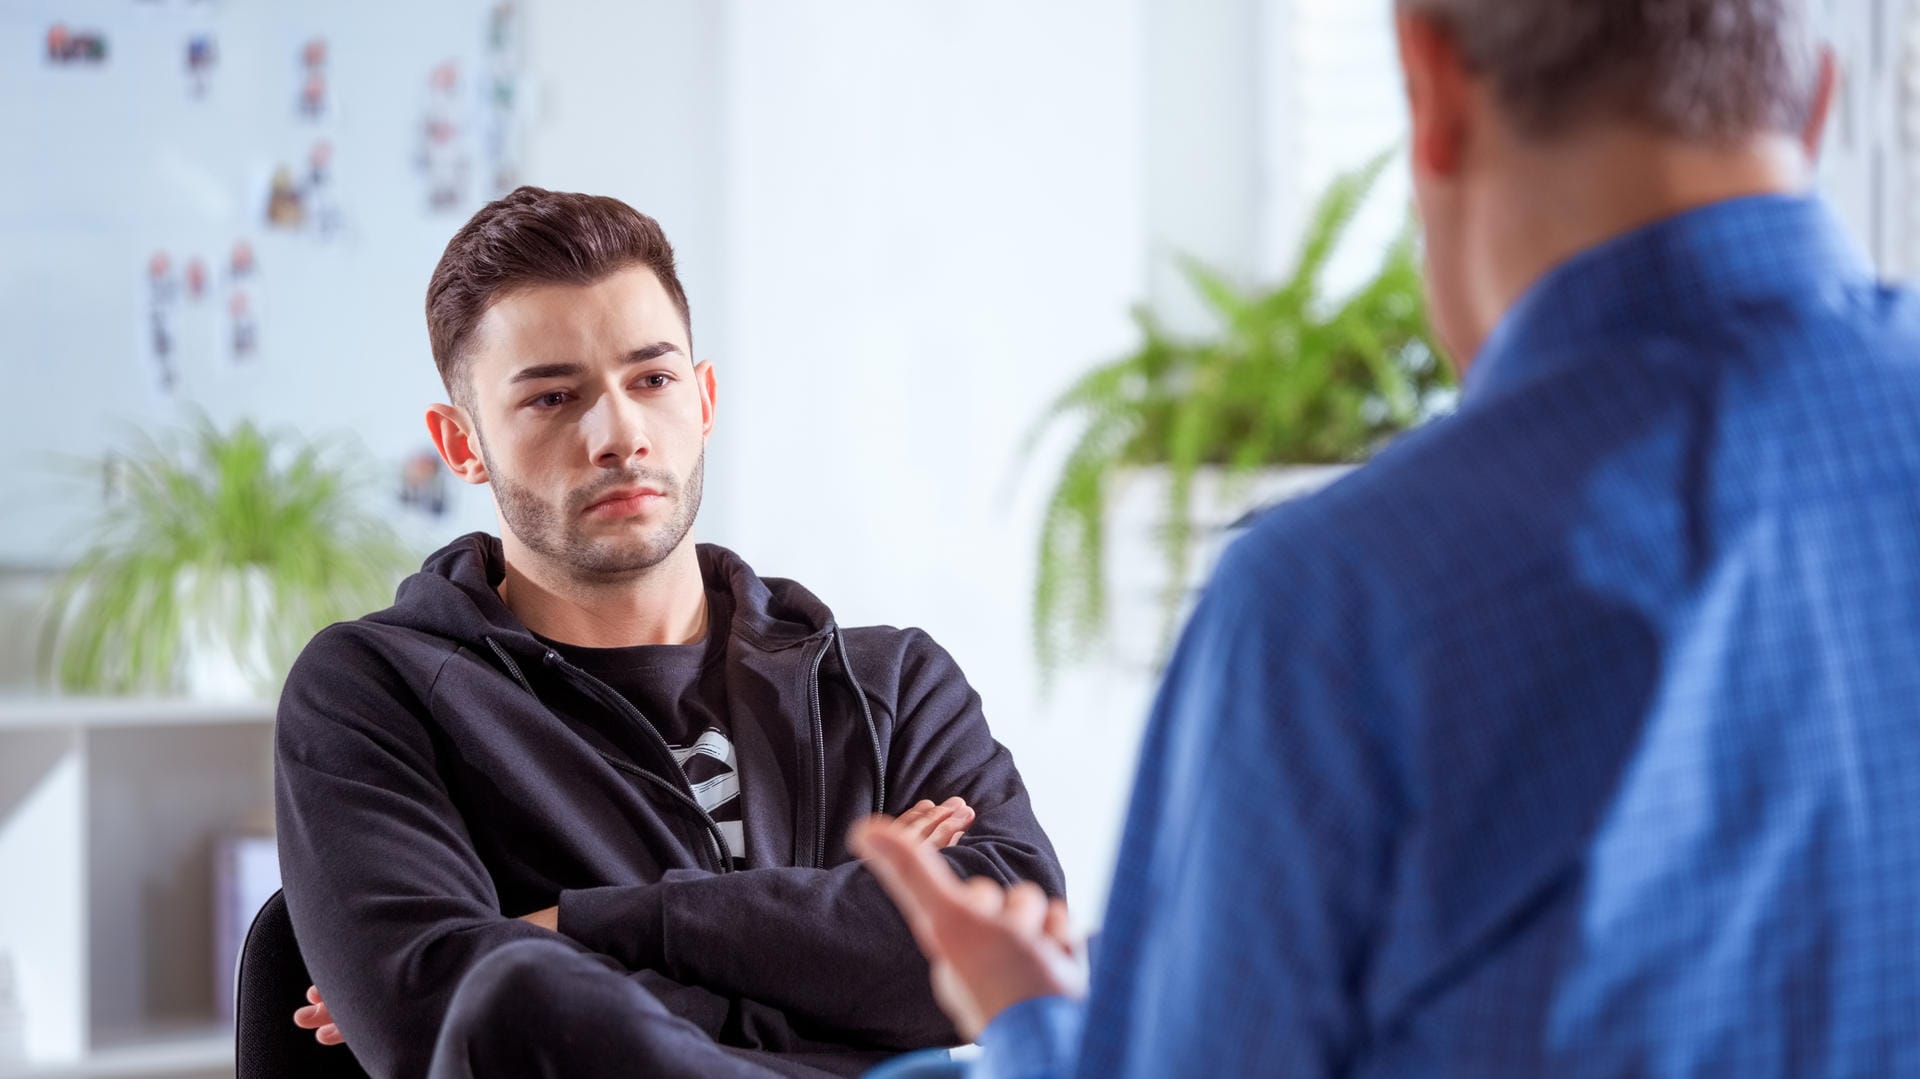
pixel 616 431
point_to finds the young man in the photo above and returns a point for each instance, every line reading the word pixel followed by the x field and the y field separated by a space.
pixel 574 805
pixel 1576 735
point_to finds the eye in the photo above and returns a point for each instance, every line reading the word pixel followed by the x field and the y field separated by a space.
pixel 550 400
pixel 658 380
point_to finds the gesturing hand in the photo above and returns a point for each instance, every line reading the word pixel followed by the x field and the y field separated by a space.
pixel 989 947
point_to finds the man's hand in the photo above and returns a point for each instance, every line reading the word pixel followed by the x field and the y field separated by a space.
pixel 989 947
pixel 938 826
pixel 317 1018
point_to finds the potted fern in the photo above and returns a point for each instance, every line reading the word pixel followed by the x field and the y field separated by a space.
pixel 1289 378
pixel 222 552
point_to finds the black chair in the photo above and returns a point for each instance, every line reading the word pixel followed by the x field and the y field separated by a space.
pixel 273 982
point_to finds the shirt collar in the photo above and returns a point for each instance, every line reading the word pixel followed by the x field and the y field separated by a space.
pixel 1666 275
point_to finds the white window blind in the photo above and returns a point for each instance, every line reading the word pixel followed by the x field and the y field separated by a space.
pixel 1332 97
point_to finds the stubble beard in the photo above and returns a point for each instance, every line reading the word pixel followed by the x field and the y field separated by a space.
pixel 557 533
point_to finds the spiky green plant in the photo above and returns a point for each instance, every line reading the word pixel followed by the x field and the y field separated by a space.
pixel 195 512
pixel 1290 377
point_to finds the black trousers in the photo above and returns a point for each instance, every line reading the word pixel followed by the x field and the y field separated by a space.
pixel 537 1009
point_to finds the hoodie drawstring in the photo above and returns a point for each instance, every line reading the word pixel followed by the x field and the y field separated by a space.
pixel 873 729
pixel 512 667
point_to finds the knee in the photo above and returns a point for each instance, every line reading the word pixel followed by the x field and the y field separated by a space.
pixel 533 1008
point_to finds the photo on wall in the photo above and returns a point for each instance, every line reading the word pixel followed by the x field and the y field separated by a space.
pixel 237 340
pixel 441 156
pixel 202 56
pixel 75 48
pixel 301 197
pixel 158 324
pixel 312 92
pixel 505 98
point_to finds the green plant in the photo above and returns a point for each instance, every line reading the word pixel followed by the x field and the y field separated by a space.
pixel 1290 377
pixel 257 537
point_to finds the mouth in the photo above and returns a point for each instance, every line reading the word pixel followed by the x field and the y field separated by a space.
pixel 625 502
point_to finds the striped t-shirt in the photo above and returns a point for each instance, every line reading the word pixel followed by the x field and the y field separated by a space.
pixel 682 691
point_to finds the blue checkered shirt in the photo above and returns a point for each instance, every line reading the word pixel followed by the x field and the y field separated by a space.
pixel 1578 735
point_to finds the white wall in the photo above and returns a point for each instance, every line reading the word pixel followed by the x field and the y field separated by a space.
pixel 935 218
pixel 1206 165
pixel 631 102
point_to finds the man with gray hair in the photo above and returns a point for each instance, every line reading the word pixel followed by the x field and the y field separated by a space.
pixel 1576 735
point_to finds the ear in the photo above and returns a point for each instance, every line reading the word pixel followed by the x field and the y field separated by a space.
pixel 1439 93
pixel 1822 110
pixel 709 390
pixel 455 436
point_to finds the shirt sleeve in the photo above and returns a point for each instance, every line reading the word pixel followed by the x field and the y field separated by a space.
pixel 1255 851
pixel 1033 1039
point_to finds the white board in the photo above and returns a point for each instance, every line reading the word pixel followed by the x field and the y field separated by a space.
pixel 111 163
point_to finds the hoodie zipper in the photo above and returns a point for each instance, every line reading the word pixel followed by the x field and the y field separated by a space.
pixel 873 729
pixel 682 792
pixel 820 759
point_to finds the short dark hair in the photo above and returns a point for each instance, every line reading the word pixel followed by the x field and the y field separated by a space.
pixel 536 237
pixel 1709 70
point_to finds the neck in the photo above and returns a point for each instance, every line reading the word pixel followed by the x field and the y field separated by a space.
pixel 663 604
pixel 1563 196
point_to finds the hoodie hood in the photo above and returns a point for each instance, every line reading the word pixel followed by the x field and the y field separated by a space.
pixel 456 596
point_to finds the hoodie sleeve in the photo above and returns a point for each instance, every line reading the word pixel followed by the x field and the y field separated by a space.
pixel 826 946
pixel 389 901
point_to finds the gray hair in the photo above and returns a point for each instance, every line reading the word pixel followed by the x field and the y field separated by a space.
pixel 1709 70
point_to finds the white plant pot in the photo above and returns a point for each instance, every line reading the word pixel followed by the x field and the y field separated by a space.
pixel 223 649
pixel 1136 561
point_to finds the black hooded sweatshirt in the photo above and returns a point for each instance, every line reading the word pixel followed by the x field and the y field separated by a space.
pixel 441 771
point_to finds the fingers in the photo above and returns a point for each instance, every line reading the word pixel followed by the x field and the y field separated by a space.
pixel 317 1018
pixel 1025 908
pixel 312 1017
pixel 1059 926
pixel 918 820
pixel 918 880
pixel 949 830
pixel 936 824
pixel 984 896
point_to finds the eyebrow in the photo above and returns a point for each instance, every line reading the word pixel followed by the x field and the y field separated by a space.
pixel 568 370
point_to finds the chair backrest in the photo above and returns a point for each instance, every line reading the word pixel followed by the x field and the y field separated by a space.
pixel 273 982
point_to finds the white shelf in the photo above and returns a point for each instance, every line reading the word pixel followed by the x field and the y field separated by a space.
pixel 68 713
pixel 113 814
pixel 189 1052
